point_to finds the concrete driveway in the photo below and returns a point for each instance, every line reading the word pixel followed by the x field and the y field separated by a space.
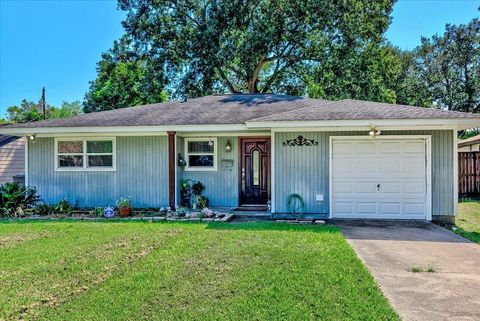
pixel 391 250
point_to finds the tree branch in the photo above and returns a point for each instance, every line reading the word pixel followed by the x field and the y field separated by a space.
pixel 227 82
pixel 272 78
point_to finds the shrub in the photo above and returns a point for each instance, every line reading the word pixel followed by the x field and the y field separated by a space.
pixel 64 207
pixel 124 203
pixel 202 202
pixel 14 198
pixel 44 209
pixel 197 188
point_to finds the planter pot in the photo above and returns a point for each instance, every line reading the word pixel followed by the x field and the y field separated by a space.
pixel 124 212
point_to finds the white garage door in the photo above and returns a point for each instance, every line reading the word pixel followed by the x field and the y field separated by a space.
pixel 379 178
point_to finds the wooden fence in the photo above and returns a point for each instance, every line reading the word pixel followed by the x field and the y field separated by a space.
pixel 469 173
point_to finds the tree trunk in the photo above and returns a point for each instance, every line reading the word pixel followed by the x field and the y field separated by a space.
pixel 253 81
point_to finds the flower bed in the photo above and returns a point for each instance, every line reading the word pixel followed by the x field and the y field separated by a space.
pixel 164 214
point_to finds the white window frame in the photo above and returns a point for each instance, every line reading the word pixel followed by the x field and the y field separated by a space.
pixel 200 168
pixel 85 155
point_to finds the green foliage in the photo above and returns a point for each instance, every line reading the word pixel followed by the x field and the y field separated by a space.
pixel 197 188
pixel 64 207
pixel 124 202
pixel 199 48
pixel 44 209
pixel 124 79
pixel 97 212
pixel 449 67
pixel 14 198
pixel 30 111
pixel 202 202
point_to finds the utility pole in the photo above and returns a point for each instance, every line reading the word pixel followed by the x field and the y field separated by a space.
pixel 43 104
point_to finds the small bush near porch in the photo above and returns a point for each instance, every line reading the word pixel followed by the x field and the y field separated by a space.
pixel 170 271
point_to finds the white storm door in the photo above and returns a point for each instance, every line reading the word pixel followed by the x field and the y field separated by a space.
pixel 379 179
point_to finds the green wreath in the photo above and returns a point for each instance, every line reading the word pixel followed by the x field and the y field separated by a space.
pixel 296 205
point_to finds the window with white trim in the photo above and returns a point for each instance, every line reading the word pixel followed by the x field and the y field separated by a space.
pixel 95 154
pixel 201 154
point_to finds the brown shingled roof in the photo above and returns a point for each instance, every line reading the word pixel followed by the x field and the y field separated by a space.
pixel 239 109
pixel 350 109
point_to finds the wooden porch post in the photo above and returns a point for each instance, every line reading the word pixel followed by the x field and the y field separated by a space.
pixel 171 170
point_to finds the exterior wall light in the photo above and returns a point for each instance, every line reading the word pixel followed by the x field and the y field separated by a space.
pixel 181 161
pixel 374 132
pixel 228 147
pixel 32 137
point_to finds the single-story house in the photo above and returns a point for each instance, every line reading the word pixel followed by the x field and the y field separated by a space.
pixel 346 159
pixel 12 158
pixel 471 144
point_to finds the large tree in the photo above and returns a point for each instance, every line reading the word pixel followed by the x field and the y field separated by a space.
pixel 125 79
pixel 253 46
pixel 30 111
pixel 449 66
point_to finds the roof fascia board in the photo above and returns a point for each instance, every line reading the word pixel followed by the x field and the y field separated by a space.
pixel 124 130
pixel 396 123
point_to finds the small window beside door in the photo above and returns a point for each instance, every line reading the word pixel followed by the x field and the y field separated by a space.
pixel 201 154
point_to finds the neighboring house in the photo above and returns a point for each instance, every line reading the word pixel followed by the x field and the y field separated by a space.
pixel 471 144
pixel 12 158
pixel 347 159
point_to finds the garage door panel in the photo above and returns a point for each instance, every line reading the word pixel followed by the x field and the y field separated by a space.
pixel 341 148
pixel 391 208
pixel 390 187
pixel 414 188
pixel 414 147
pixel 367 208
pixel 343 168
pixel 365 148
pixel 398 166
pixel 365 187
pixel 414 208
pixel 343 207
pixel 391 166
pixel 390 147
pixel 343 187
pixel 365 165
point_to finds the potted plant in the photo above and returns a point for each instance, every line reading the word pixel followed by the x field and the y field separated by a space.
pixel 124 206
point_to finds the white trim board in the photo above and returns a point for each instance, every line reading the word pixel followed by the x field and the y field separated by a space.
pixel 455 172
pixel 27 142
pixel 85 155
pixel 188 168
pixel 460 123
pixel 428 165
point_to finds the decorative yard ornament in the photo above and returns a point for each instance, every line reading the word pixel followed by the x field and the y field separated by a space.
pixel 300 141
pixel 108 212
pixel 374 132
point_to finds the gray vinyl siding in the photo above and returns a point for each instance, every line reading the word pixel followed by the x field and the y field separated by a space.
pixel 141 173
pixel 12 160
pixel 221 186
pixel 305 170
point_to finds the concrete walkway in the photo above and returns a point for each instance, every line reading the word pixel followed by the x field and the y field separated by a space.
pixel 391 250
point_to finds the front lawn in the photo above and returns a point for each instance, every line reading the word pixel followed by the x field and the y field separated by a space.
pixel 167 271
pixel 468 220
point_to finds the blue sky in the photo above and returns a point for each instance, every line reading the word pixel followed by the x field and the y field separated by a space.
pixel 56 44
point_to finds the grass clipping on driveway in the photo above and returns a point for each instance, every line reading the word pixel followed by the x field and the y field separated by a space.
pixel 183 271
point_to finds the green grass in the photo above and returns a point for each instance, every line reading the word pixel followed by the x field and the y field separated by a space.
pixel 183 271
pixel 468 220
